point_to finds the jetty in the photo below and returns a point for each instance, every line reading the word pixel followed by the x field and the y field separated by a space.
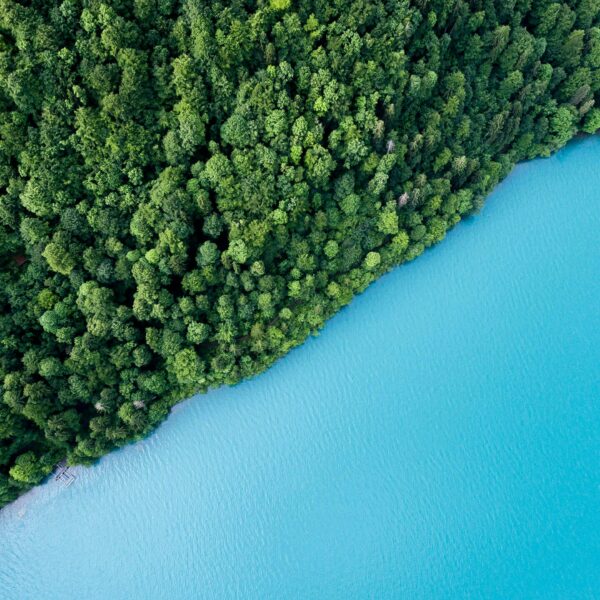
pixel 63 475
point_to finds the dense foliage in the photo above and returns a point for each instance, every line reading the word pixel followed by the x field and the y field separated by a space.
pixel 189 188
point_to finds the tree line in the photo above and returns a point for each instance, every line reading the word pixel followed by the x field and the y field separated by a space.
pixel 190 188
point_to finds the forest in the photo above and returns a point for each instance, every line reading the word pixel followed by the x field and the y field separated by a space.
pixel 190 188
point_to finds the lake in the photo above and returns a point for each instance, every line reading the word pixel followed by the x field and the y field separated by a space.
pixel 439 439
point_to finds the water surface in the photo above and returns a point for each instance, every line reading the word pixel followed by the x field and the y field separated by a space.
pixel 438 440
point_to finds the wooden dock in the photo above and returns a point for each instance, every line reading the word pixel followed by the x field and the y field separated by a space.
pixel 63 474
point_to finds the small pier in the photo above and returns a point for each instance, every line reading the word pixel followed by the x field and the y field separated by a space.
pixel 63 474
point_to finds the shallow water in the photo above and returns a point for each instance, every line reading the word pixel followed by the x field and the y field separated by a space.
pixel 440 439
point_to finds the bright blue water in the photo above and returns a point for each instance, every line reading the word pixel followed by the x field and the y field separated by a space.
pixel 440 439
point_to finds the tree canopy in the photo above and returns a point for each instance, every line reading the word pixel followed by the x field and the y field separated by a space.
pixel 190 188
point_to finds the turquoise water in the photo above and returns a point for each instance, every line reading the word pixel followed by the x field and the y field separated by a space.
pixel 440 439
